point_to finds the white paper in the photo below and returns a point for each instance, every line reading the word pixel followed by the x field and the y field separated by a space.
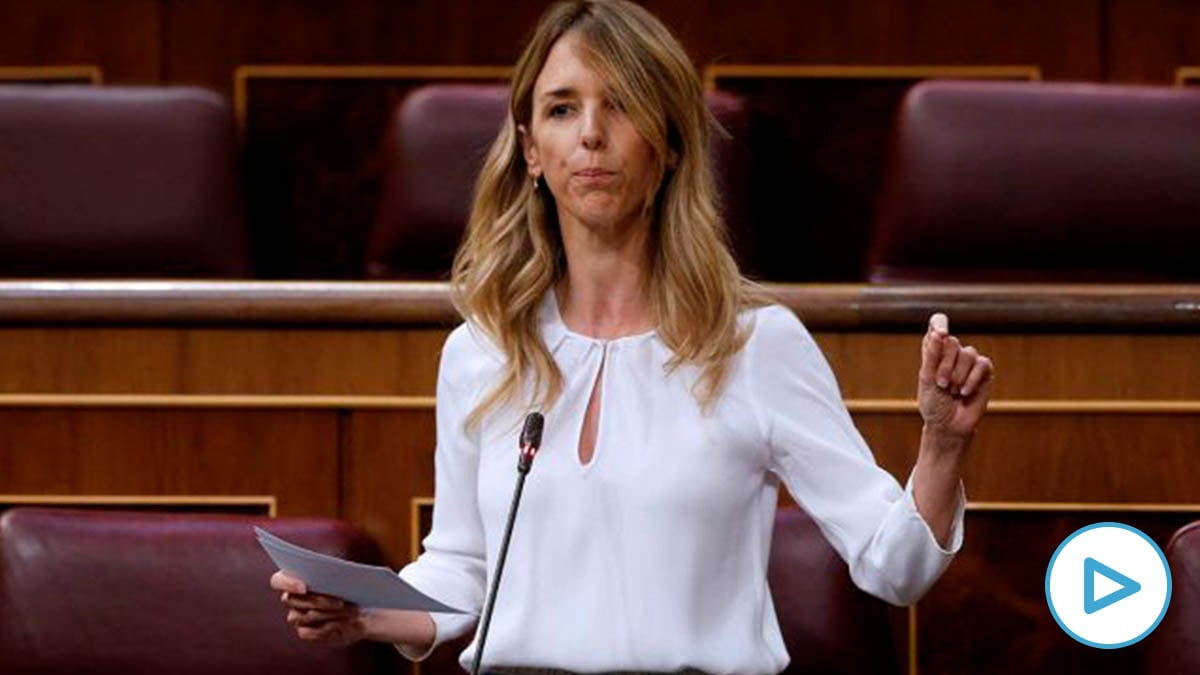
pixel 365 585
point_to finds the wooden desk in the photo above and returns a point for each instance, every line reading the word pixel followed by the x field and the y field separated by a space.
pixel 317 399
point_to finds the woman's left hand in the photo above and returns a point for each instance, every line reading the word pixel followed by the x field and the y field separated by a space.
pixel 954 383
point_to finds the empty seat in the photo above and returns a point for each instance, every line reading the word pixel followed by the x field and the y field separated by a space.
pixel 1040 182
pixel 119 182
pixel 111 592
pixel 441 134
pixel 1174 647
pixel 828 624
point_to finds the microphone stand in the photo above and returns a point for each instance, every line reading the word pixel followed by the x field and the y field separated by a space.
pixel 531 440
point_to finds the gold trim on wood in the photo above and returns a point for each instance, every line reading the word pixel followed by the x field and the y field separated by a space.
pixel 912 639
pixel 244 73
pixel 1124 507
pixel 1043 407
pixel 414 525
pixel 241 401
pixel 1185 74
pixel 322 402
pixel 144 500
pixel 93 74
pixel 1039 308
pixel 745 70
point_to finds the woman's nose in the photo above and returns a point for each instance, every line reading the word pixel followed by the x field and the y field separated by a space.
pixel 592 135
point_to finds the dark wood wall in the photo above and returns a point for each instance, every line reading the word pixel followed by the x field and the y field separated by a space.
pixel 313 86
pixel 315 399
pixel 184 41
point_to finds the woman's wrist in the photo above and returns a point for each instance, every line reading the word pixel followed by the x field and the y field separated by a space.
pixel 943 442
pixel 414 629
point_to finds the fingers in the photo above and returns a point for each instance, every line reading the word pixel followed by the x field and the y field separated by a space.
pixel 947 363
pixel 282 581
pixel 967 356
pixel 340 632
pixel 932 347
pixel 313 617
pixel 950 349
pixel 296 596
pixel 980 375
pixel 327 632
pixel 315 601
pixel 939 323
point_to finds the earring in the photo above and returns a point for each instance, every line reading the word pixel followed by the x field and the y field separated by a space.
pixel 535 180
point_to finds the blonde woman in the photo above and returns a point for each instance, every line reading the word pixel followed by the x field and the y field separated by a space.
pixel 599 290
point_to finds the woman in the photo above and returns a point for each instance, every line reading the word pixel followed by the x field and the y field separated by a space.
pixel 599 290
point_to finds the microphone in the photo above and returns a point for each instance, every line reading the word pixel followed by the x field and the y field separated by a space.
pixel 529 443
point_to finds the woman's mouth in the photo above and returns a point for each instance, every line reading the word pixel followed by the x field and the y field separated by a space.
pixel 595 176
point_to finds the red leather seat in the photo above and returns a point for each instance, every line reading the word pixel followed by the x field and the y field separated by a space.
pixel 119 182
pixel 1012 181
pixel 828 624
pixel 441 134
pixel 1174 647
pixel 112 592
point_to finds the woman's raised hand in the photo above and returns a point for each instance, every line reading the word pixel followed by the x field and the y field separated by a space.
pixel 954 382
pixel 318 618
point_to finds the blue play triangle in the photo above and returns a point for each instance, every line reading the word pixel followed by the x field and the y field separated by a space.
pixel 1092 567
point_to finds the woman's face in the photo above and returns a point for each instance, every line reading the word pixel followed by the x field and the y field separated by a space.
pixel 596 164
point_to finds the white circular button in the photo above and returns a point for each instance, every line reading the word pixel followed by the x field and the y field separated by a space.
pixel 1108 585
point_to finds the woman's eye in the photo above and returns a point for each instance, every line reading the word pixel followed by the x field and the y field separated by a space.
pixel 616 105
pixel 559 110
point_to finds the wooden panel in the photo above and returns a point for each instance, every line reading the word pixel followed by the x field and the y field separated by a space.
pixel 96 360
pixel 1054 366
pixel 1061 457
pixel 135 360
pixel 1063 37
pixel 123 37
pixel 988 614
pixel 1148 39
pixel 349 32
pixel 82 74
pixel 362 362
pixel 388 463
pixel 290 455
pixel 202 42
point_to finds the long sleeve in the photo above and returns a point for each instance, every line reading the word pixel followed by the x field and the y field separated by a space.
pixel 815 448
pixel 452 568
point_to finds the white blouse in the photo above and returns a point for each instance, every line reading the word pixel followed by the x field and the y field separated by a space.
pixel 653 555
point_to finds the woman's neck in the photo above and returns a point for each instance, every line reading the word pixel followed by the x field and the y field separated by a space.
pixel 604 292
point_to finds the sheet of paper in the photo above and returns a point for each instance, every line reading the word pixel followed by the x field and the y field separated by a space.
pixel 364 585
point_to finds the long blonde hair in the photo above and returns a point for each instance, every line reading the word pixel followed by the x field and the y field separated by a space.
pixel 512 254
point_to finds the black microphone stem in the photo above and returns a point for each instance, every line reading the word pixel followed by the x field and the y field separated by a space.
pixel 491 602
pixel 531 440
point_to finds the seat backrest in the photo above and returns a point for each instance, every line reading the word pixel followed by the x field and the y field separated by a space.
pixel 828 624
pixel 441 134
pixel 1174 647
pixel 1016 181
pixel 127 592
pixel 119 182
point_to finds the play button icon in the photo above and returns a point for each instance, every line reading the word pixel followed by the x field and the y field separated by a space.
pixel 1108 585
pixel 1125 586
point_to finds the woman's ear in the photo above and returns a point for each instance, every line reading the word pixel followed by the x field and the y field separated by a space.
pixel 529 150
pixel 672 159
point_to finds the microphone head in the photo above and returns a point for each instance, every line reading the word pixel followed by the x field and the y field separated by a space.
pixel 531 434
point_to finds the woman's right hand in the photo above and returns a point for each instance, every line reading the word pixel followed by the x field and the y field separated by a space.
pixel 323 619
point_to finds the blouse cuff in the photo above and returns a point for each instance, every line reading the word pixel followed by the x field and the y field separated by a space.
pixel 956 525
pixel 445 627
